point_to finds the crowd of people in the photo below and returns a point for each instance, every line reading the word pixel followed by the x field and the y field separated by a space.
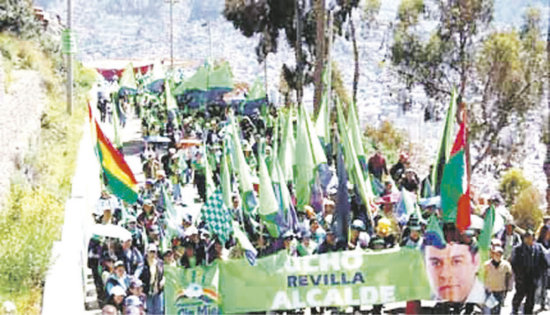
pixel 129 272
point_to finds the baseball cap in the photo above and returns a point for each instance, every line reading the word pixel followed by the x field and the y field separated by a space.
pixel 358 225
pixel 152 247
pixel 118 290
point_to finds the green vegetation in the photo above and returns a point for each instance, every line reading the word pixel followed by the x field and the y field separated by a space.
pixel 388 139
pixel 522 198
pixel 31 218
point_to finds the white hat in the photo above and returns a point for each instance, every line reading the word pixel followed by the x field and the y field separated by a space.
pixel 152 247
pixel 118 290
pixel 191 230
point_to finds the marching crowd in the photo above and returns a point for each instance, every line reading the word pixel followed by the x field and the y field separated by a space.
pixel 129 272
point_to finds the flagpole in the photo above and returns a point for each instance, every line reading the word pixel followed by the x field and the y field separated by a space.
pixel 467 143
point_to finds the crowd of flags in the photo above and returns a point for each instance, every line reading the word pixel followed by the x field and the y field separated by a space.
pixel 298 157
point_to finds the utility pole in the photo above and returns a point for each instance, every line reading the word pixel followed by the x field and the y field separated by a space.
pixel 171 35
pixel 69 61
pixel 171 32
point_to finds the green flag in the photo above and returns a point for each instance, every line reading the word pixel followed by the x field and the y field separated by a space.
pixel 246 245
pixel 226 182
pixel 268 207
pixel 127 79
pixel 197 82
pixel 221 77
pixel 322 124
pixel 445 146
pixel 352 163
pixel 355 134
pixel 244 172
pixel 487 232
pixel 317 151
pixel 171 103
pixel 286 151
pixel 257 92
pixel 304 163
pixel 172 217
pixel 210 186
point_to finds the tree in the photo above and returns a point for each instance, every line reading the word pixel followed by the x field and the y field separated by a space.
pixel 497 73
pixel 268 18
pixel 509 66
pixel 547 133
pixel 341 15
pixel 17 16
pixel 447 57
pixel 302 25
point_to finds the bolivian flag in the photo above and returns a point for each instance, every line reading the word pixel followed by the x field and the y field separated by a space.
pixel 455 190
pixel 116 173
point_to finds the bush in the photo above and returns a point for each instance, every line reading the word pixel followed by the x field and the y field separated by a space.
pixel 526 210
pixel 387 138
pixel 33 212
pixel 512 184
pixel 29 224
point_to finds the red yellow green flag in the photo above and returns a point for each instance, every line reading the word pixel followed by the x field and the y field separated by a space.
pixel 117 174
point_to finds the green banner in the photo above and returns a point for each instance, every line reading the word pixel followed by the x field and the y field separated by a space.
pixel 68 41
pixel 191 291
pixel 280 282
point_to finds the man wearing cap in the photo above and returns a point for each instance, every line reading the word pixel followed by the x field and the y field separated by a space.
pixel 148 192
pixel 306 246
pixel 398 169
pixel 106 201
pixel 148 217
pixel 151 165
pixel 138 240
pixel 317 231
pixel 330 244
pixel 136 290
pixel 152 276
pixel 509 238
pixel 289 244
pixel 116 297
pixel 414 238
pixel 192 235
pixel 131 256
pixel 498 278
pixel 528 264
pixel 359 239
pixel 162 183
pixel 131 302
pixel 119 277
